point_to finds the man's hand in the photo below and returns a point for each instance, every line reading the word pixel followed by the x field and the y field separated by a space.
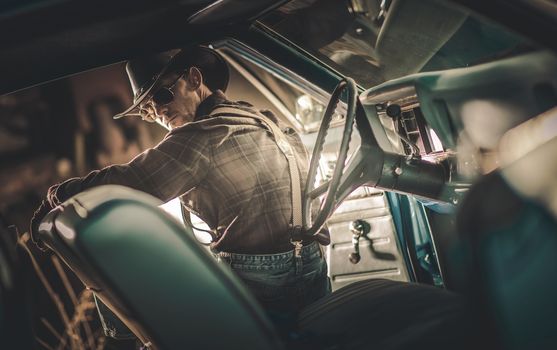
pixel 39 214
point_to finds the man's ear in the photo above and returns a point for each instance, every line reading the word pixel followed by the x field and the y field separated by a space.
pixel 195 78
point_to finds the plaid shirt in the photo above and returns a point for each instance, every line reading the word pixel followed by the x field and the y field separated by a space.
pixel 227 170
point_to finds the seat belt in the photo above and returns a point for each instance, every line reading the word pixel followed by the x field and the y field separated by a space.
pixel 288 152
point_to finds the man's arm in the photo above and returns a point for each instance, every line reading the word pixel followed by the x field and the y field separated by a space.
pixel 166 171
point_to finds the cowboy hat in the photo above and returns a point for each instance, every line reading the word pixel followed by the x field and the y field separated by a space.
pixel 148 74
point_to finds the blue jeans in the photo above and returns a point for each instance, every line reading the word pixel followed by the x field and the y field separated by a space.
pixel 282 283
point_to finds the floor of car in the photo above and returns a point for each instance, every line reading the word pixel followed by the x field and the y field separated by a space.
pixel 379 252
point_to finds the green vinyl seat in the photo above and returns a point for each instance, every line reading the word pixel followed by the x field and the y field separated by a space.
pixel 508 229
pixel 149 270
pixel 171 293
pixel 507 262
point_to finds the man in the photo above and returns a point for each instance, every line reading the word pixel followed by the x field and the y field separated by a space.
pixel 223 160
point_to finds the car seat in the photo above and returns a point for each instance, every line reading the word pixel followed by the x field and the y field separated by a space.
pixel 506 258
pixel 149 271
pixel 172 294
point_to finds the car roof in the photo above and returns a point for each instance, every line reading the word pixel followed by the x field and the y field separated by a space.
pixel 50 39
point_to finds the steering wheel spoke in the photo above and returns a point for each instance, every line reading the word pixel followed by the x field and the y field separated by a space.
pixel 318 191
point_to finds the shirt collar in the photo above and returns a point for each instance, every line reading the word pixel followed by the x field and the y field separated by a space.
pixel 208 104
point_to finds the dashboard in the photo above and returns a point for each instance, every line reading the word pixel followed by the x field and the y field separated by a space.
pixel 455 118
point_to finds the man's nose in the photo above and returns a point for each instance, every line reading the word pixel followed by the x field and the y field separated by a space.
pixel 160 110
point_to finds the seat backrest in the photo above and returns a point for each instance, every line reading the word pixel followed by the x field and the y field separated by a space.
pixel 508 228
pixel 149 270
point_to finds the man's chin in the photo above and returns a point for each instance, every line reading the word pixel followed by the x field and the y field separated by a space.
pixel 163 124
pixel 176 122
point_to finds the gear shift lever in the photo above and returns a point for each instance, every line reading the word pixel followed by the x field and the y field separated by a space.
pixel 359 228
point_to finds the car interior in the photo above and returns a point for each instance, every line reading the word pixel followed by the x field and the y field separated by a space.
pixel 432 129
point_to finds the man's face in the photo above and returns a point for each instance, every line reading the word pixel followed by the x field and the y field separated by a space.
pixel 184 100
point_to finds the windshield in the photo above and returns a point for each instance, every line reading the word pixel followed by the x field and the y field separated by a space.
pixel 374 41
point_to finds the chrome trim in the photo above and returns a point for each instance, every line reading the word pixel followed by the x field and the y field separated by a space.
pixel 203 10
pixel 285 75
pixel 269 95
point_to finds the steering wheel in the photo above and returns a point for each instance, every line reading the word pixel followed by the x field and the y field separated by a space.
pixel 330 187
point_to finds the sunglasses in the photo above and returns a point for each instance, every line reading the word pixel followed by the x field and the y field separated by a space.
pixel 161 97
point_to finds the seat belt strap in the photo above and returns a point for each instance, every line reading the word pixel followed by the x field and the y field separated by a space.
pixel 287 150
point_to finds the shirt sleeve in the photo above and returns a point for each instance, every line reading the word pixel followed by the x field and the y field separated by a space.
pixel 173 167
